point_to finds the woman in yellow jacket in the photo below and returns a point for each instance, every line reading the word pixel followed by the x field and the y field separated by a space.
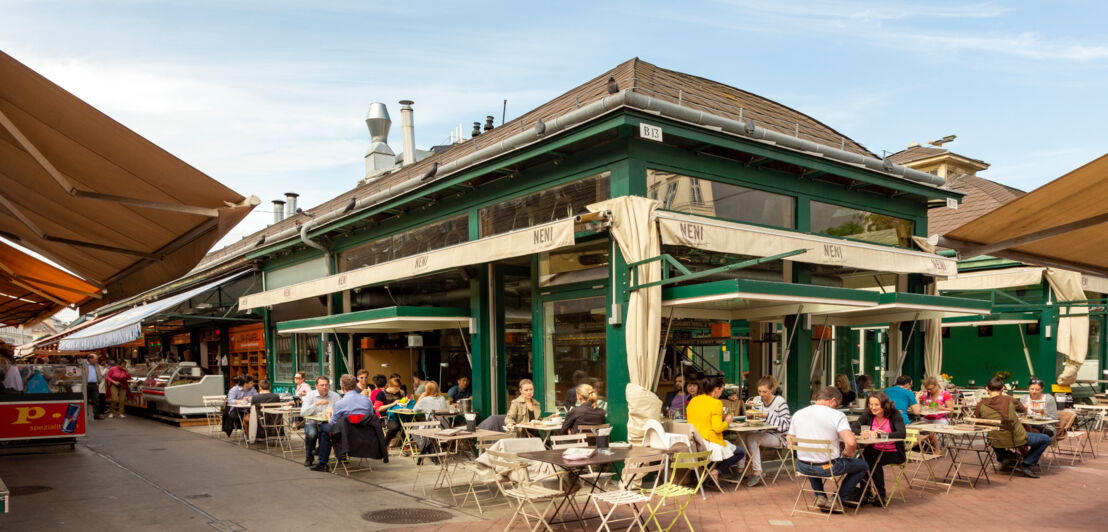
pixel 705 413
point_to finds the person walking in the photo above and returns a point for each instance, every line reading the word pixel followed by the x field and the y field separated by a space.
pixel 119 384
pixel 95 386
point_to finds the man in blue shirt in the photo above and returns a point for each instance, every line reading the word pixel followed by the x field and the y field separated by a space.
pixel 901 395
pixel 460 391
pixel 351 404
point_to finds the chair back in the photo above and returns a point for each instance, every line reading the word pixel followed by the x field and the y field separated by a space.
pixel 591 429
pixel 511 463
pixel 911 436
pixel 803 445
pixel 1066 419
pixel 484 441
pixel 420 425
pixel 638 468
pixel 697 460
pixel 566 441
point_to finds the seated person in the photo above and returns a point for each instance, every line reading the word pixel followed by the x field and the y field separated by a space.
pixel 379 383
pixel 315 410
pixel 678 387
pixel 363 386
pixel 351 404
pixel 431 400
pixel 403 387
pixel 902 397
pixel 586 412
pixel 681 400
pixel 459 391
pixel 1011 435
pixel 238 396
pixel 881 416
pixel 419 380
pixel 524 408
pixel 265 396
pixel 705 414
pixel 302 388
pixel 389 396
pixel 822 421
pixel 777 416
pixel 1040 404
pixel 843 384
pixel 862 384
pixel 939 402
pixel 579 377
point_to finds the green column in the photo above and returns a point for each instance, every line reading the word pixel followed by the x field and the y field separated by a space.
pixel 616 349
pixel 1046 365
pixel 798 369
pixel 479 342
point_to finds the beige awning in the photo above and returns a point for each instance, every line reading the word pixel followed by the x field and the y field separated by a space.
pixel 1060 224
pixel 536 239
pixel 742 239
pixel 32 290
pixel 1094 283
pixel 993 279
pixel 98 199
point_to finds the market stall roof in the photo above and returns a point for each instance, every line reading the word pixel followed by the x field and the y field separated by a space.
pixel 1060 224
pixel 747 299
pixel 383 320
pixel 902 306
pixel 95 197
pixel 126 326
pixel 32 290
pixel 993 279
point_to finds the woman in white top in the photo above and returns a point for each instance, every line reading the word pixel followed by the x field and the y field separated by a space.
pixel 777 415
pixel 1040 404
pixel 302 388
pixel 431 400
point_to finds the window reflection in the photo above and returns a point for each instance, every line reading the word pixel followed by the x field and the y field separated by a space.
pixel 425 238
pixel 836 220
pixel 547 206
pixel 721 200
pixel 574 347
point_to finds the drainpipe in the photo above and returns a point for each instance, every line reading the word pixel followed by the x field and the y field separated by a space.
pixel 327 254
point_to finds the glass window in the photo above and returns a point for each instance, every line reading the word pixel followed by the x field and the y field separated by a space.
pixel 836 220
pixel 307 355
pixel 546 206
pixel 284 370
pixel 721 200
pixel 586 262
pixel 428 237
pixel 574 347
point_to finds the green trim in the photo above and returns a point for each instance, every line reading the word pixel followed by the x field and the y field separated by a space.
pixel 673 295
pixel 1026 316
pixel 906 298
pixel 374 314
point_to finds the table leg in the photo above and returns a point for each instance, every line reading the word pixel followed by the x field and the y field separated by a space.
pixel 870 487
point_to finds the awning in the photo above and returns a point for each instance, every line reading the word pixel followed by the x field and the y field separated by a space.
pixel 993 279
pixel 900 307
pixel 1060 224
pixel 383 320
pixel 992 319
pixel 742 239
pixel 539 238
pixel 126 326
pixel 750 300
pixel 96 198
pixel 32 290
pixel 1094 283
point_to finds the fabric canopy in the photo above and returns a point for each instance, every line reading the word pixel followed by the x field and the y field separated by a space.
pixel 742 239
pixel 1073 332
pixel 32 290
pixel 1094 283
pixel 383 320
pixel 993 279
pixel 126 326
pixel 1060 224
pixel 750 300
pixel 543 237
pixel 96 198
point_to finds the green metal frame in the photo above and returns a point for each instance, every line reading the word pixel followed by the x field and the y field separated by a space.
pixel 336 320
pixel 687 275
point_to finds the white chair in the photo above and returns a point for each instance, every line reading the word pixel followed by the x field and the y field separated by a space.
pixel 633 473
pixel 213 409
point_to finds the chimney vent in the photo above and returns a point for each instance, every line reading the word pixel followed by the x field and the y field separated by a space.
pixel 380 156
pixel 290 204
pixel 278 211
pixel 476 130
pixel 488 123
pixel 407 131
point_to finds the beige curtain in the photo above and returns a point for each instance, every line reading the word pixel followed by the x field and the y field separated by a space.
pixel 933 341
pixel 633 229
pixel 1073 333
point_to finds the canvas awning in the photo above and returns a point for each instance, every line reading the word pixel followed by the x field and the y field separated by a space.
pixel 900 307
pixel 993 279
pixel 742 239
pixel 32 290
pixel 1060 224
pixel 536 239
pixel 1094 283
pixel 126 326
pixel 383 320
pixel 751 300
pixel 96 198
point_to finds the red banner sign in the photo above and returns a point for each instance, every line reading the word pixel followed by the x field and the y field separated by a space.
pixel 36 419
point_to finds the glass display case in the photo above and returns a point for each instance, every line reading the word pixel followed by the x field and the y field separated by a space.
pixel 179 388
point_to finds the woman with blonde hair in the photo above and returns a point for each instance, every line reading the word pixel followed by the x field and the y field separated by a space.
pixel 524 408
pixel 842 382
pixel 586 412
pixel 431 400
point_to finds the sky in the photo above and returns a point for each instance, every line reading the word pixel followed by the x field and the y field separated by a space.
pixel 270 96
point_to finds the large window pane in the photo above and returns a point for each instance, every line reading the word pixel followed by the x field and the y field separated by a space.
pixel 574 347
pixel 307 355
pixel 581 263
pixel 836 220
pixel 284 370
pixel 551 204
pixel 721 200
pixel 428 237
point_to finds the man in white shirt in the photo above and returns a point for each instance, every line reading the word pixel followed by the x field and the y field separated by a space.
pixel 316 416
pixel 822 421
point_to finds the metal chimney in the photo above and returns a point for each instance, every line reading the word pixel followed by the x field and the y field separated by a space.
pixel 407 131
pixel 278 211
pixel 476 130
pixel 290 206
pixel 380 156
pixel 488 123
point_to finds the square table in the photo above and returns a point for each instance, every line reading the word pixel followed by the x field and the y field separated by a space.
pixel 959 441
pixel 574 467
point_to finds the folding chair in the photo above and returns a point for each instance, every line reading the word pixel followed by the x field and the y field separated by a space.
pixel 519 487
pixel 634 470
pixel 213 409
pixel 424 460
pixel 1066 421
pixel 921 458
pixel 681 495
pixel 580 439
pixel 910 438
pixel 703 446
pixel 475 486
pixel 786 462
pixel 272 423
pixel 824 449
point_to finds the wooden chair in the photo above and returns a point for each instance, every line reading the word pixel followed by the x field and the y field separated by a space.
pixel 634 471
pixel 823 448
pixel 681 495
pixel 519 487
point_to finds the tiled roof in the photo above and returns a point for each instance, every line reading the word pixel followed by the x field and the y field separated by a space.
pixel 915 153
pixel 982 196
pixel 636 75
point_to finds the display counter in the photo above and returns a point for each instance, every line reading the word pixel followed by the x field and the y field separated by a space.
pixel 179 388
pixel 42 401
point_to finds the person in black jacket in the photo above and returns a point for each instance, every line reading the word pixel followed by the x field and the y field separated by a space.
pixel 586 412
pixel 881 415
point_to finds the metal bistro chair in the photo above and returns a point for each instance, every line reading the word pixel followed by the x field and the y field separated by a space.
pixel 213 409
pixel 822 448
pixel 681 495
pixel 424 460
pixel 271 421
pixel 475 487
pixel 518 486
pixel 580 439
pixel 634 471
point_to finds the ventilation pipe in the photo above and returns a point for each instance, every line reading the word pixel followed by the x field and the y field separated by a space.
pixel 380 156
pixel 407 131
pixel 290 204
pixel 476 130
pixel 488 123
pixel 278 211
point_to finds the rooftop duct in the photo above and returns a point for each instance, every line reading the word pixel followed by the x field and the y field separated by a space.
pixel 407 131
pixel 380 156
pixel 278 210
pixel 290 204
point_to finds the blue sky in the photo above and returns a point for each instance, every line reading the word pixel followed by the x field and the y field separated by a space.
pixel 270 96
